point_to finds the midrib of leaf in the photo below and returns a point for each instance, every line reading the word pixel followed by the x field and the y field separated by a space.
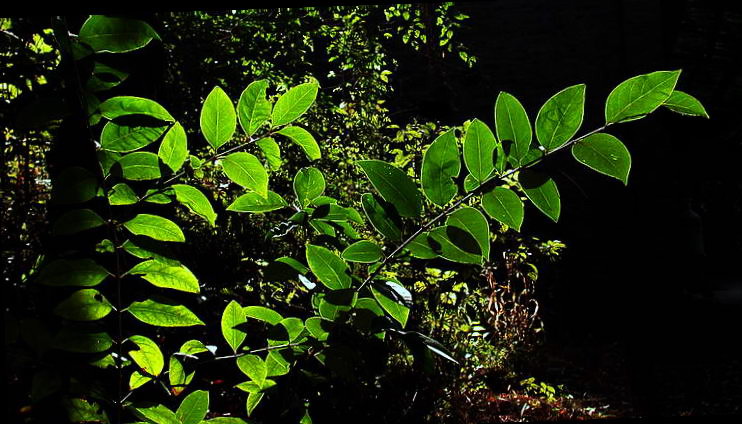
pixel 610 161
pixel 334 272
pixel 156 227
pixel 507 211
pixel 298 99
pixel 641 96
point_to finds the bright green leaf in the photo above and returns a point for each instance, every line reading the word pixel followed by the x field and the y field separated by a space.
pixel 253 399
pixel 474 222
pixel 173 150
pixel 262 313
pixel 119 106
pixel 455 244
pixel 441 164
pixel 309 183
pixel 194 407
pixel 394 186
pixel 253 108
pixel 328 267
pixel 512 124
pixel 140 166
pixel 293 103
pixel 542 191
pixel 196 201
pixel 303 139
pixel 560 117
pixel 116 35
pixel 163 314
pixel 122 194
pixel 639 96
pixel 395 309
pixel 479 150
pixel 84 305
pixel 232 317
pixel 271 152
pixel 155 227
pixel 246 170
pixel 505 206
pixel 605 154
pixel 163 275
pixel 363 251
pixel 156 414
pixel 253 202
pixel 147 355
pixel 685 104
pixel 253 367
pixel 218 118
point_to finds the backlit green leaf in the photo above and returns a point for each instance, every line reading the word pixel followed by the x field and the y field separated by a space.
pixel 309 183
pixel 119 106
pixel 140 166
pixel 122 194
pixel 155 227
pixel 262 313
pixel 253 202
pixel 685 104
pixel 639 96
pixel 253 367
pixel 271 152
pixel 147 355
pixel 363 251
pixel 253 399
pixel 542 191
pixel 474 222
pixel 422 247
pixel 82 341
pixel 84 305
pixel 605 154
pixel 394 186
pixel 194 407
pixel 382 215
pixel 138 379
pixel 293 103
pixel 163 275
pixel 441 164
pixel 397 310
pixel 246 170
pixel 479 150
pixel 303 139
pixel 329 269
pixel 505 206
pixel 218 118
pixel 163 314
pixel 455 244
pixel 253 108
pixel 560 117
pixel 512 124
pixel 156 414
pixel 174 147
pixel 232 317
pixel 116 35
pixel 196 201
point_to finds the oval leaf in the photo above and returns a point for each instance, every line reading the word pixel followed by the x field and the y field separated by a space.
pixel 309 183
pixel 84 305
pixel 148 355
pixel 232 317
pixel 75 221
pixel 119 106
pixel 140 166
pixel 479 150
pixel 605 154
pixel 196 201
pixel 383 217
pixel 115 35
pixel 512 124
pixel 163 314
pixel 155 227
pixel 174 147
pixel 363 251
pixel 163 275
pixel 560 117
pixel 271 152
pixel 125 138
pixel 640 95
pixel 505 206
pixel 246 170
pixel 194 407
pixel 394 186
pixel 542 191
pixel 473 222
pixel 72 272
pixel 685 104
pixel 218 118
pixel 329 269
pixel 253 108
pixel 253 202
pixel 441 164
pixel 293 103
pixel 303 139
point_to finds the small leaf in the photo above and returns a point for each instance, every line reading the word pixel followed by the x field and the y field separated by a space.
pixel 262 313
pixel 140 166
pixel 154 226
pixel 685 104
pixel 293 103
pixel 253 202
pixel 318 327
pixel 253 367
pixel 232 317
pixel 253 108
pixel 455 244
pixel 505 206
pixel 383 217
pixel 271 152
pixel 218 118
pixel 138 379
pixel 362 251
pixel 605 154
pixel 72 272
pixel 147 355
pixel 194 407
pixel 253 399
pixel 246 170
pixel 174 147
pixel 196 201
pixel 309 183
pixel 166 276
pixel 163 314
pixel 560 117
pixel 479 150
pixel 329 269
pixel 119 106
pixel 116 35
pixel 397 310
pixel 177 376
pixel 158 414
pixel 75 221
pixel 303 139
pixel 639 96
pixel 394 186
pixel 441 164
pixel 81 410
pixel 122 194
pixel 84 305
pixel 542 191
pixel 473 222
pixel 512 124
pixel 191 347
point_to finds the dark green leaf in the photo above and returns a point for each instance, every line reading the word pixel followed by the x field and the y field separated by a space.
pixel 363 251
pixel 397 310
pixel 74 185
pixel 115 35
pixel 140 166
pixel 455 244
pixel 81 341
pixel 119 106
pixel 605 154
pixel 84 305
pixel 394 186
pixel 441 164
pixel 512 124
pixel 560 117
pixel 293 103
pixel 473 222
pixel 542 191
pixel 309 183
pixel 303 139
pixel 639 96
pixel 253 202
pixel 154 226
pixel 196 201
pixel 163 314
pixel 479 150
pixel 246 170
pixel 72 272
pixel 81 410
pixel 75 221
pixel 218 118
pixel 505 206
pixel 174 147
pixel 232 317
pixel 163 275
pixel 422 247
pixel 685 104
pixel 328 267
pixel 253 108
pixel 382 215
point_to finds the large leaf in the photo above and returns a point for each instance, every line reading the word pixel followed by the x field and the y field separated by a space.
pixel 246 170
pixel 455 244
pixel 479 150
pixel 84 305
pixel 394 186
pixel 395 308
pixel 560 117
pixel 293 103
pixel 155 227
pixel 505 206
pixel 253 399
pixel 363 251
pixel 271 152
pixel 124 138
pixel 232 317
pixel 194 407
pixel 140 166
pixel 512 124
pixel 441 164
pixel 163 275
pixel 147 355
pixel 329 269
pixel 303 139
pixel 72 272
pixel 422 247
pixel 196 201
pixel 253 202
pixel 253 367
pixel 640 95
pixel 174 147
pixel 218 118
pixel 115 35
pixel 473 222
pixel 542 191
pixel 262 313
pixel 605 154
pixel 383 217
pixel 75 221
pixel 253 108
pixel 119 106
pixel 685 104
pixel 309 183
pixel 163 314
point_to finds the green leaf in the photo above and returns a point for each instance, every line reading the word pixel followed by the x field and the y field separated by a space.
pixel 685 104
pixel 441 164
pixel 194 407
pixel 225 420
pixel 246 170
pixel 262 313
pixel 147 355
pixel 276 364
pixel 605 154
pixel 505 206
pixel 163 275
pixel 329 269
pixel 72 272
pixel 271 152
pixel 253 108
pixel 156 414
pixel 363 251
pixel 542 191
pixel 177 376
pixel 81 410
pixel 174 147
pixel 318 327
pixel 253 399
pixel 303 139
pixel 394 186
pixel 253 367
pixel 195 201
pixel 253 202
pixel 218 118
pixel 75 221
pixel 122 194
pixel 146 248
pixel 336 303
pixel 140 166
pixel 155 227
pixel 106 160
pixel 74 185
pixel 119 106
pixel 383 217
pixel 137 379
pixel 560 117
pixel 191 347
pixel 639 96
pixel 455 244
pixel 512 124
pixel 473 222
pixel 116 35
pixel 396 310
pixel 84 305
pixel 422 247
pixel 309 183
pixel 293 103
pixel 479 150
pixel 163 314
pixel 232 317
pixel 82 341
pixel 104 78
